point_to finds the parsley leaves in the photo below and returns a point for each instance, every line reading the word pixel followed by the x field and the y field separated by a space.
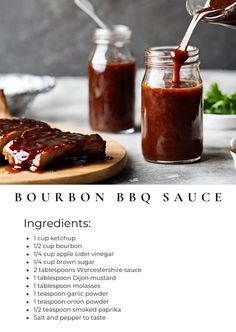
pixel 215 102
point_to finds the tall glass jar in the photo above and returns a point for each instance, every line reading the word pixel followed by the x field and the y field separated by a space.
pixel 111 72
pixel 172 130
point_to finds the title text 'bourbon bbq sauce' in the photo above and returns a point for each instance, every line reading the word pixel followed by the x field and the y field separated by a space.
pixel 111 96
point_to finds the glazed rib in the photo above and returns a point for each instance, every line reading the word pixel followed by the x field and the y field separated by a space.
pixel 12 128
pixel 41 147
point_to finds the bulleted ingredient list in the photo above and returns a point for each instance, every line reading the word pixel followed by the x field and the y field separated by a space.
pixel 165 263
pixel 70 280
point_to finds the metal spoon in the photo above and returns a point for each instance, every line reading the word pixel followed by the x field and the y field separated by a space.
pixel 196 18
pixel 88 8
pixel 195 5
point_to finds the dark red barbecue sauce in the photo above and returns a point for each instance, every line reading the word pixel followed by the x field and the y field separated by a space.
pixel 45 143
pixel 14 125
pixel 179 57
pixel 172 115
pixel 172 121
pixel 111 96
pixel 29 145
pixel 226 16
pixel 223 16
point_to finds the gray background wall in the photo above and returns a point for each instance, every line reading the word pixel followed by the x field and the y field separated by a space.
pixel 53 37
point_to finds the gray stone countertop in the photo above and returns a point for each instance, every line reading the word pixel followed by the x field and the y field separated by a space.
pixel 67 103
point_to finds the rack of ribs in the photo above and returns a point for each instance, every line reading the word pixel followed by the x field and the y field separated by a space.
pixel 37 149
pixel 34 145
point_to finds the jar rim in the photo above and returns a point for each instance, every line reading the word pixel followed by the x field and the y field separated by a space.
pixel 117 33
pixel 162 54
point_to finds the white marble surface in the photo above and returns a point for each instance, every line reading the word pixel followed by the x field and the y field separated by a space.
pixel 68 104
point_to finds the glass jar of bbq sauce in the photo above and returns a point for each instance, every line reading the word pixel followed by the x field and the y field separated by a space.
pixel 172 129
pixel 111 73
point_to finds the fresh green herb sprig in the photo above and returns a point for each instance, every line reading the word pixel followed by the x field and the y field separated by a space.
pixel 215 102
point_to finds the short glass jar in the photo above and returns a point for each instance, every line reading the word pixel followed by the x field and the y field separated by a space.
pixel 172 129
pixel 111 72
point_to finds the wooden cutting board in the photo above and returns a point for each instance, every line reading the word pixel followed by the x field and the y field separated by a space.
pixel 80 174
